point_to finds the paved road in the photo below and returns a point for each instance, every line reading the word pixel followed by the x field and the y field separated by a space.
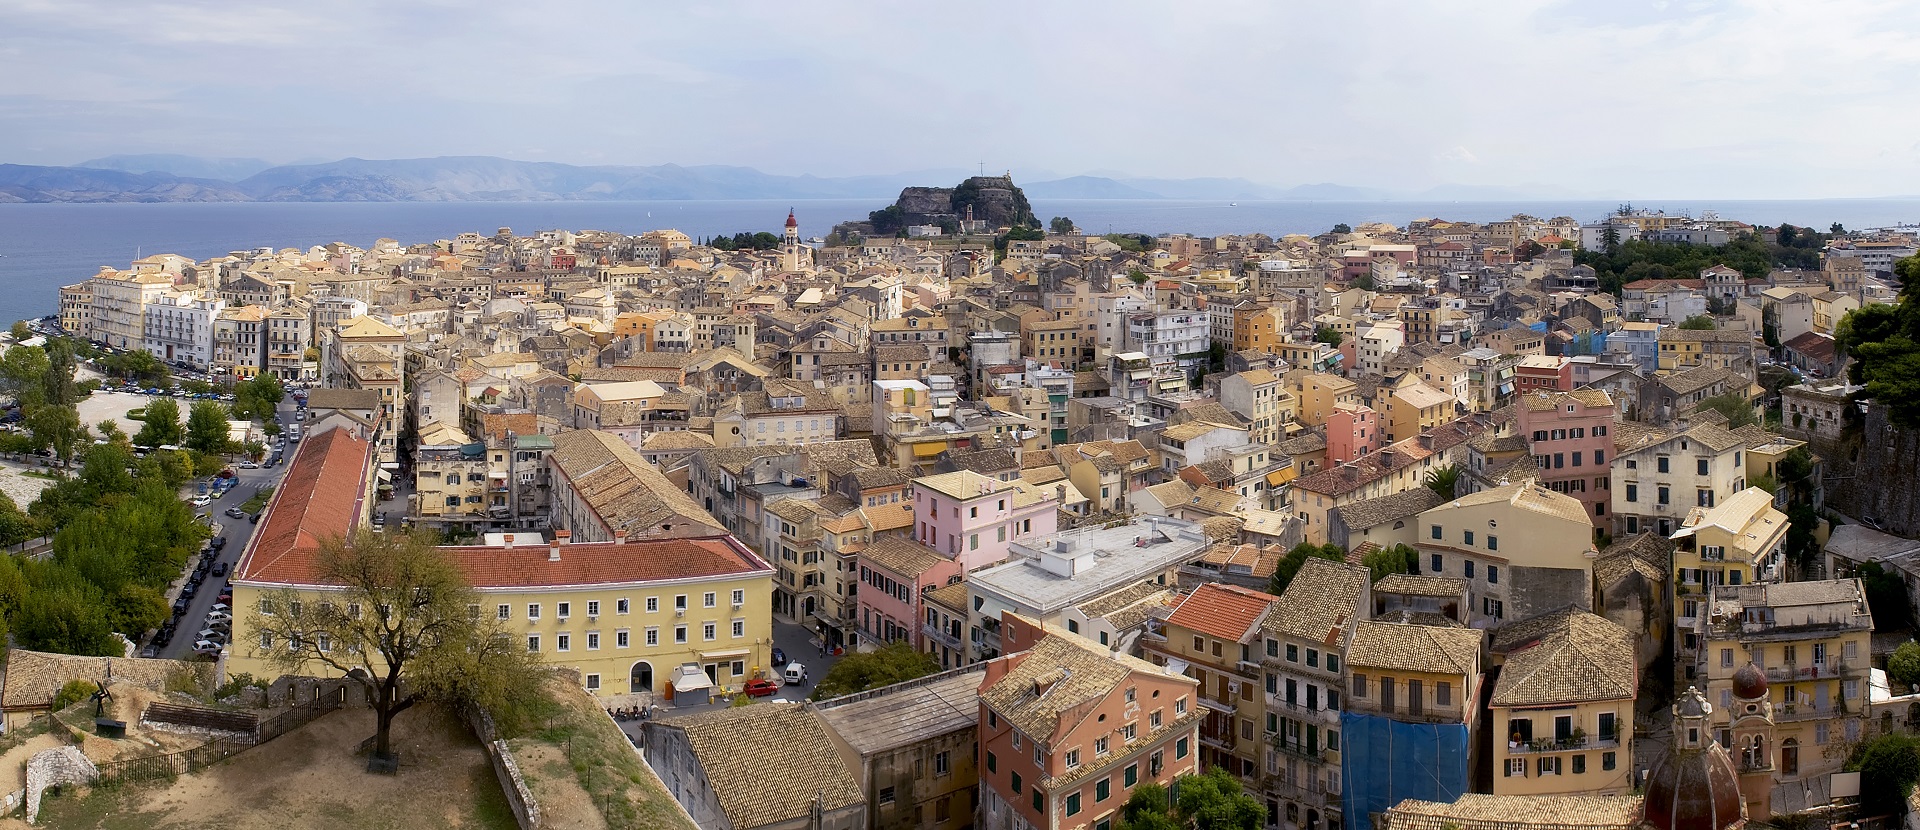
pixel 796 641
pixel 237 532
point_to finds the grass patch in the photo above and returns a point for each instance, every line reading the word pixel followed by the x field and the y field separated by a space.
pixel 490 807
pixel 605 765
pixel 257 502
pixel 38 474
pixel 106 806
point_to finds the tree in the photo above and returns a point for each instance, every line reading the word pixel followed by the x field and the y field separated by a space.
pixel 207 428
pixel 161 426
pixel 1903 666
pixel 20 331
pixel 1399 559
pixel 1289 566
pixel 1364 282
pixel 896 662
pixel 1610 239
pixel 1343 228
pixel 1734 405
pixel 1138 276
pixel 1884 342
pixel 1214 801
pixel 1328 335
pixel 1147 808
pixel 1444 480
pixel 56 428
pixel 1061 225
pixel 399 616
pixel 1699 322
pixel 1886 596
pixel 1837 229
pixel 22 369
pixel 57 386
pixel 1888 764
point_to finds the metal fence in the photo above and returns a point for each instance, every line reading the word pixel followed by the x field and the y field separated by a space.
pixel 299 716
pixel 200 757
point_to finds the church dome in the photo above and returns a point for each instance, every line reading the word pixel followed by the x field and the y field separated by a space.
pixel 1694 786
pixel 1750 683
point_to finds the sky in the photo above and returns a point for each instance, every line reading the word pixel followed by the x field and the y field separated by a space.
pixel 1595 98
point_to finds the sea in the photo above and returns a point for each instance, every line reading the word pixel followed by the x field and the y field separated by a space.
pixel 45 246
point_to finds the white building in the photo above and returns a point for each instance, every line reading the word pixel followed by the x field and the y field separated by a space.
pixel 178 327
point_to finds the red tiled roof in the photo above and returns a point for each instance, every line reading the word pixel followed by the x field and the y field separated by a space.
pixel 1221 610
pixel 604 563
pixel 320 498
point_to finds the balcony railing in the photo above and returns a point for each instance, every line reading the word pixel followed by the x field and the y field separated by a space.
pixel 934 633
pixel 1296 750
pixel 1817 671
pixel 1567 745
pixel 1809 711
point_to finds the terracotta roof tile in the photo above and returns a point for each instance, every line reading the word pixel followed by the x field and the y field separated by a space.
pixel 1229 612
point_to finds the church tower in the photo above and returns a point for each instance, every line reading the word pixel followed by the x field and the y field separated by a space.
pixel 1752 731
pixel 794 256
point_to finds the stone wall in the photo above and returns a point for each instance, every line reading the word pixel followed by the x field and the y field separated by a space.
pixel 52 768
pixel 1870 473
pixel 526 808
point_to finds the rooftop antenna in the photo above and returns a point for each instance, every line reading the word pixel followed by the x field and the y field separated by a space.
pixel 983 167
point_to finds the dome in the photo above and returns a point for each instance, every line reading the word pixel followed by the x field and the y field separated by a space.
pixel 792 222
pixel 1695 789
pixel 1749 683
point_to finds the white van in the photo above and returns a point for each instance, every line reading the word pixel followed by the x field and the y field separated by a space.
pixel 796 674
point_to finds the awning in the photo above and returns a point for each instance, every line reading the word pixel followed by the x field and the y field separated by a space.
pixel 724 655
pixel 382 475
pixel 1279 477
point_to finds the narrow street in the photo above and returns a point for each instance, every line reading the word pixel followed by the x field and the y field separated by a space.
pixel 237 532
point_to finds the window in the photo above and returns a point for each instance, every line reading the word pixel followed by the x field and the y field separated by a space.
pixel 1493 543
pixel 886 795
pixel 563 642
pixel 1360 686
pixel 1039 800
pixel 593 608
pixel 1333 663
pixel 1102 789
pixel 504 612
pixel 707 631
pixel 1579 764
pixel 1700 466
pixel 1466 567
pixel 1661 464
pixel 1434 531
pixel 707 600
pixel 1131 776
pixel 653 604
pixel 1468 537
pixel 993 764
pixel 942 763
pixel 1015 783
pixel 533 610
pixel 1442 693
pixel 1608 760
pixel 739 597
pixel 593 682
pixel 653 636
pixel 621 606
pixel 533 642
pixel 1293 653
pixel 1073 803
pixel 564 610
pixel 620 638
pixel 1073 758
pixel 593 641
pixel 1436 562
pixel 1493 571
pixel 679 633
pixel 1516 767
pixel 1180 707
pixel 739 628
pixel 680 602
pixel 1633 492
pixel 1099 747
pixel 1663 494
pixel 1179 749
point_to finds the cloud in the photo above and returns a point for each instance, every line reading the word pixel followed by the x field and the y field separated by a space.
pixel 1683 98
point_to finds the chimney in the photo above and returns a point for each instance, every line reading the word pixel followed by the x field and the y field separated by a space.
pixel 553 551
pixel 620 537
pixel 509 541
pixel 563 536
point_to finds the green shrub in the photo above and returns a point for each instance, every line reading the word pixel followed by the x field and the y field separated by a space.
pixel 73 692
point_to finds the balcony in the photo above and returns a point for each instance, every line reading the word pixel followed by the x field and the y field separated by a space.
pixel 1225 706
pixel 1297 710
pixel 1810 711
pixel 1222 740
pixel 1817 671
pixel 1545 745
pixel 933 632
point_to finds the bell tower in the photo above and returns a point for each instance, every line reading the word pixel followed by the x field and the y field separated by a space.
pixel 793 255
pixel 1755 755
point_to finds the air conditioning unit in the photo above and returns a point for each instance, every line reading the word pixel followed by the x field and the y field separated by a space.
pixel 592 620
pixel 679 612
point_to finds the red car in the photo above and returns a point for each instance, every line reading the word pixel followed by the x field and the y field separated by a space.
pixel 760 688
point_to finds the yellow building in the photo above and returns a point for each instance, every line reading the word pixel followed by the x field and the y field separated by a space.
pixel 625 615
pixel 1215 633
pixel 1786 667
pixel 1414 673
pixel 1563 706
pixel 1414 409
pixel 1317 392
pixel 1260 328
pixel 1736 543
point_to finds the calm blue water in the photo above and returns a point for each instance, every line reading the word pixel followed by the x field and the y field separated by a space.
pixel 45 246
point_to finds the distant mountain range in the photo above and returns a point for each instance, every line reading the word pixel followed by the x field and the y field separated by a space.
pixel 177 178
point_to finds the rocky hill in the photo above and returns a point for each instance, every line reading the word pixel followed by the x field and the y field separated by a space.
pixel 994 201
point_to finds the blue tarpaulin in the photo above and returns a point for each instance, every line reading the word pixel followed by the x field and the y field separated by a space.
pixel 1384 762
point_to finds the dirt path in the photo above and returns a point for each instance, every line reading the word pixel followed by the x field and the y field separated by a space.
pixel 13 765
pixel 563 803
pixel 310 778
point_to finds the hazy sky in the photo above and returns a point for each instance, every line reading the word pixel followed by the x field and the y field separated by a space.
pixel 1604 97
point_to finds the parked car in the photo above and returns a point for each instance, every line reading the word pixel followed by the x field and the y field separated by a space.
pixel 235 513
pixel 186 591
pixel 179 606
pixel 214 634
pixel 220 569
pixel 217 542
pixel 202 501
pixel 219 617
pixel 779 656
pixel 222 607
pixel 248 465
pixel 796 674
pixel 760 687
pixel 208 647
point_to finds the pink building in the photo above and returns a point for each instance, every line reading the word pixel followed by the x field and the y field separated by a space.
pixel 894 574
pixel 1353 431
pixel 1568 435
pixel 973 518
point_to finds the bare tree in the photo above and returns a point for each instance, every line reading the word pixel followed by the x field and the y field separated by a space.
pixel 402 621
